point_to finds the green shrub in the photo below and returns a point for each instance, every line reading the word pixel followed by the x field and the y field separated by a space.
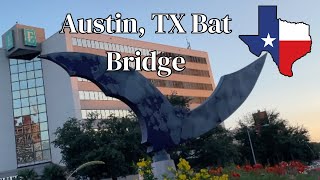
pixel 54 172
pixel 27 174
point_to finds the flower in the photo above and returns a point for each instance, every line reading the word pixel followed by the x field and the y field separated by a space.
pixel 237 175
pixel 183 165
pixel 247 168
pixel 182 177
pixel 145 169
pixel 283 164
pixel 142 164
pixel 217 171
pixel 257 166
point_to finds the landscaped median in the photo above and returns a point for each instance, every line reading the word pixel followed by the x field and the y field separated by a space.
pixel 284 170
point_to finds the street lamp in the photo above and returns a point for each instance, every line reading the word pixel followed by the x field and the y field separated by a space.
pixel 252 151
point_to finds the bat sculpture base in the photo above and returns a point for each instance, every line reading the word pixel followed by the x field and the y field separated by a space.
pixel 161 164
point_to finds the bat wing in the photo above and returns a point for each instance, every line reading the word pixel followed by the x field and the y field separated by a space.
pixel 232 90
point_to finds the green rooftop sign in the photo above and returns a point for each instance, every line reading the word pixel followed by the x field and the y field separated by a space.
pixel 30 38
pixel 9 40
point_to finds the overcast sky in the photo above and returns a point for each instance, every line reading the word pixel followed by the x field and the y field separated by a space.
pixel 296 98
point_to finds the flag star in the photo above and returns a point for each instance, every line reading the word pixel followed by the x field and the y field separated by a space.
pixel 268 41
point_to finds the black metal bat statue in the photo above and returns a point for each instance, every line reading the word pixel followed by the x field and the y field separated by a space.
pixel 162 125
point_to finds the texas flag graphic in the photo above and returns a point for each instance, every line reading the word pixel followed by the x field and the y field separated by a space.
pixel 285 41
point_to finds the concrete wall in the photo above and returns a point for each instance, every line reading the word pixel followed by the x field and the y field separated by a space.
pixel 58 91
pixel 8 159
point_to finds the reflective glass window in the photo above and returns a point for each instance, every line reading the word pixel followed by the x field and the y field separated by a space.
pixel 30 74
pixel 40 90
pixel 23 85
pixel 37 146
pixel 31 83
pixel 24 93
pixel 15 86
pixel 17 112
pixel 33 100
pixel 25 111
pixel 44 135
pixel 43 126
pixel 41 99
pixel 45 145
pixel 41 108
pixel 16 103
pixel 32 92
pixel 38 156
pixel 33 110
pixel 35 118
pixel 42 117
pixel 46 155
pixel 29 66
pixel 14 77
pixel 16 94
pixel 21 68
pixel 13 62
pixel 29 109
pixel 24 102
pixel 37 65
pixel 14 69
pixel 39 82
pixel 37 73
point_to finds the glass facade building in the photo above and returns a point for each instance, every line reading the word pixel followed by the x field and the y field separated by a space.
pixel 29 112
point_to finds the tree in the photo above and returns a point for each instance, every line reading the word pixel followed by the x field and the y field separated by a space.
pixel 27 174
pixel 54 172
pixel 276 142
pixel 215 148
pixel 316 148
pixel 115 141
pixel 179 101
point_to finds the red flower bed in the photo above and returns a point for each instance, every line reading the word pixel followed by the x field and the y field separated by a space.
pixel 216 172
pixel 293 167
pixel 236 175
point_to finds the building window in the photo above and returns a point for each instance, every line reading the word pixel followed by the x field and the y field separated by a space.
pixel 29 111
pixel 74 41
pixel 89 43
pixel 79 42
pixel 84 43
pixel 83 80
pixel 105 113
pixel 95 95
pixel 180 84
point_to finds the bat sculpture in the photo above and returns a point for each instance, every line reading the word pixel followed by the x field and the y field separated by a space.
pixel 162 125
